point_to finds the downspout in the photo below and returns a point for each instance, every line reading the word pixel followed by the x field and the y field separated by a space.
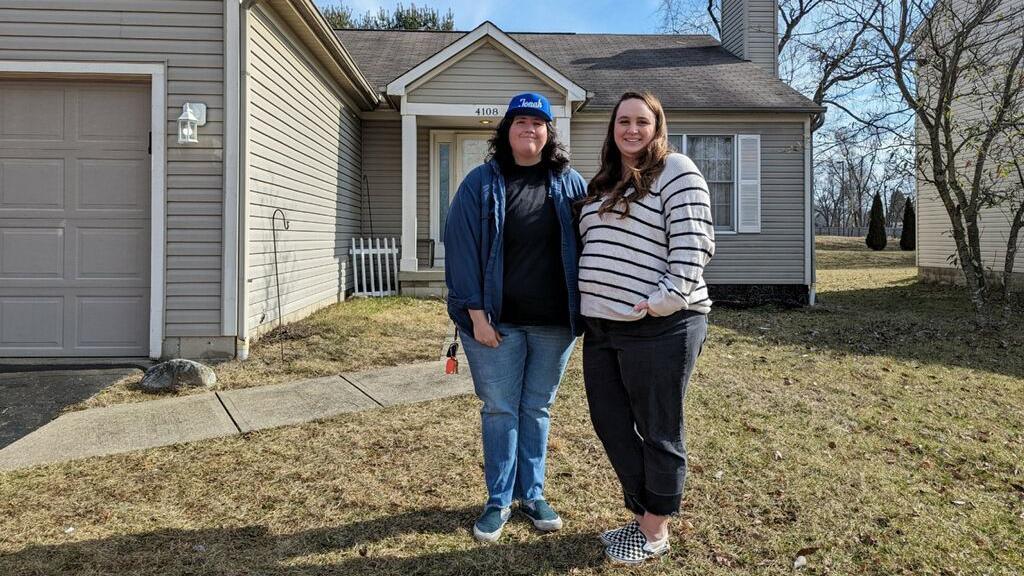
pixel 809 252
pixel 230 270
pixel 242 345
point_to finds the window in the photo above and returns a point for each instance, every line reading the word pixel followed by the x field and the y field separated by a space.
pixel 715 157
pixel 444 185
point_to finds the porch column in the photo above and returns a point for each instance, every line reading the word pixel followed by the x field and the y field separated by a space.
pixel 409 262
pixel 563 128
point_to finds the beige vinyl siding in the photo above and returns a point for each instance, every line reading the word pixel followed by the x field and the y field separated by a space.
pixel 776 254
pixel 382 157
pixel 304 153
pixel 188 36
pixel 749 29
pixel 586 141
pixel 382 165
pixel 485 75
pixel 761 23
pixel 935 244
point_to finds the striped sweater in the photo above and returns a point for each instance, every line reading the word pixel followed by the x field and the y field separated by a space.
pixel 657 253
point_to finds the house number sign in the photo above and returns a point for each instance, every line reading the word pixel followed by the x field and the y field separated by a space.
pixel 487 110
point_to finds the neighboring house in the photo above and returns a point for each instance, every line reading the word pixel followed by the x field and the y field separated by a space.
pixel 935 245
pixel 116 240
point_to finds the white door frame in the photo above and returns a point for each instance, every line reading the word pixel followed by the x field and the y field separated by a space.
pixel 452 137
pixel 158 126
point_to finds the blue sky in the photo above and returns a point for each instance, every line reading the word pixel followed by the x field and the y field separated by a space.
pixel 605 16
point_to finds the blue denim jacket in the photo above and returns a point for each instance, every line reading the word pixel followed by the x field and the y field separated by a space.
pixel 474 248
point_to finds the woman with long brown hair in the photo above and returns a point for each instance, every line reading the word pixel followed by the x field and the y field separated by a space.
pixel 646 237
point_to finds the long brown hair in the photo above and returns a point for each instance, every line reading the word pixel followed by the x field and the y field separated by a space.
pixel 610 184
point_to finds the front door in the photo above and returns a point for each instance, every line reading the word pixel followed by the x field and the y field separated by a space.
pixel 455 155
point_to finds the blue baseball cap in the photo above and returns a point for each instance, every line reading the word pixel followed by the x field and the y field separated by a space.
pixel 529 104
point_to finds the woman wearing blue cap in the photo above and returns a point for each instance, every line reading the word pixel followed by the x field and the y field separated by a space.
pixel 510 267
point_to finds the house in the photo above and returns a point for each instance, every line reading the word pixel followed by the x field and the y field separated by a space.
pixel 936 249
pixel 118 237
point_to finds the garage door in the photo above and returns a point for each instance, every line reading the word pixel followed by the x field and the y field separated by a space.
pixel 74 218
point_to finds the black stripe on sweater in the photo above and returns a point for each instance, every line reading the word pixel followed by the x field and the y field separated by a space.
pixel 638 293
pixel 626 261
pixel 623 214
pixel 689 219
pixel 610 299
pixel 617 273
pixel 628 247
pixel 668 285
pixel 691 249
pixel 690 280
pixel 623 231
pixel 669 183
pixel 690 234
pixel 646 207
pixel 665 200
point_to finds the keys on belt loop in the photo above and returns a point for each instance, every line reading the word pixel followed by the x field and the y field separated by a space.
pixel 451 365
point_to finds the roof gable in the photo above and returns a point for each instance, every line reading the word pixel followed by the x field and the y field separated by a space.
pixel 484 73
pixel 465 45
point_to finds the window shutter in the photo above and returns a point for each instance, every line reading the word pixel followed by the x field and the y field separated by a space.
pixel 749 183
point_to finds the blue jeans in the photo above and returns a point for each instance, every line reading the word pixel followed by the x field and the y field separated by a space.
pixel 517 382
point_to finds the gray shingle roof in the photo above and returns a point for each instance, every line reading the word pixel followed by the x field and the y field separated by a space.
pixel 685 72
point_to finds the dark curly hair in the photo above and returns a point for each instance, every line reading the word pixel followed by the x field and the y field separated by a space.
pixel 553 156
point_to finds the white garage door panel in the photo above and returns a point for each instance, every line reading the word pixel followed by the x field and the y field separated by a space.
pixel 111 321
pixel 32 112
pixel 113 184
pixel 32 323
pixel 121 253
pixel 27 253
pixel 32 183
pixel 74 219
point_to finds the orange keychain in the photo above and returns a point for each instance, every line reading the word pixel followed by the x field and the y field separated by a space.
pixel 451 366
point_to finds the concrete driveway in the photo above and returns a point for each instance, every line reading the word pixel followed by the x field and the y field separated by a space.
pixel 29 400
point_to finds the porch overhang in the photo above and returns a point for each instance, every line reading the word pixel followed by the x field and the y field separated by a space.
pixel 401 91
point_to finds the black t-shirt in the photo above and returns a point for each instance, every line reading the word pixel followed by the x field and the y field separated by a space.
pixel 534 292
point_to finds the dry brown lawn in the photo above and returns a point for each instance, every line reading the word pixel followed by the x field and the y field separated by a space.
pixel 359 334
pixel 876 434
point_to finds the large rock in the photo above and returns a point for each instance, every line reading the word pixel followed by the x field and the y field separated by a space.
pixel 177 373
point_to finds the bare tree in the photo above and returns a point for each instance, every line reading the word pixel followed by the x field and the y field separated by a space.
pixel 1012 202
pixel 819 44
pixel 957 65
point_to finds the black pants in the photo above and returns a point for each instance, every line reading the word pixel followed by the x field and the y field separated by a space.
pixel 636 374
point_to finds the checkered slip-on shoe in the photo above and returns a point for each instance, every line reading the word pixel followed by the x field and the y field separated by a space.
pixel 489 525
pixel 616 535
pixel 635 549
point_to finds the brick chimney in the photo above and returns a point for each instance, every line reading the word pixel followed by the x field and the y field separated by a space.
pixel 749 30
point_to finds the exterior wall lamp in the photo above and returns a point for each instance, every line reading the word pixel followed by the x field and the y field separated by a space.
pixel 193 115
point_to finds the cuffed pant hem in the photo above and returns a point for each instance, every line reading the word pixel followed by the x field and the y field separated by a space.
pixel 633 504
pixel 662 504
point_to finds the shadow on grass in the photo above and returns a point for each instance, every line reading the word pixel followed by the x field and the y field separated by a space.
pixel 926 323
pixel 255 550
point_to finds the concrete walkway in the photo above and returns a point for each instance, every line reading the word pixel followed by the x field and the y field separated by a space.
pixel 127 427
